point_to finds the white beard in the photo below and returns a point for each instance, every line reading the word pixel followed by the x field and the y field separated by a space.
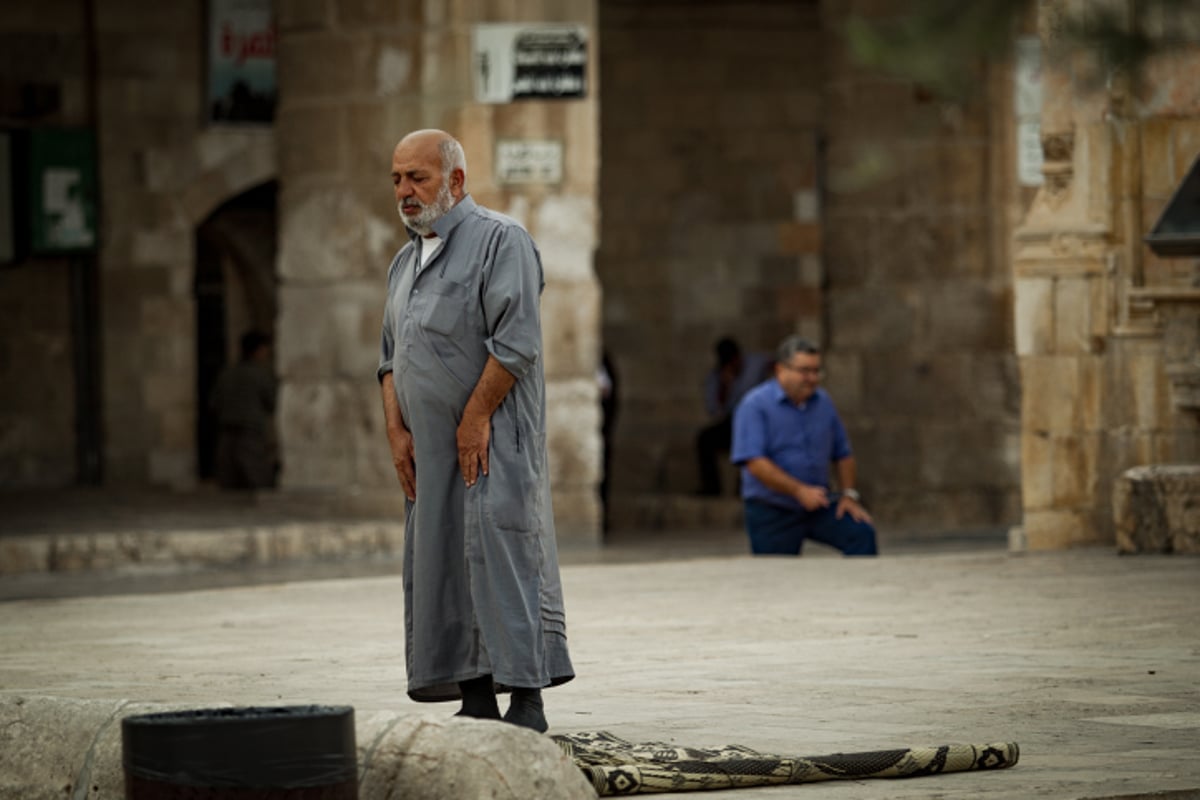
pixel 422 221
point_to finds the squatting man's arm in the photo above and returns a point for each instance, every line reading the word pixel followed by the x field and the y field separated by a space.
pixel 774 478
pixel 475 429
pixel 399 439
pixel 810 497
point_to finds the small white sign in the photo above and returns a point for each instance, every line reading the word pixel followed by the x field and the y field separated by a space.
pixel 1027 103
pixel 1027 77
pixel 528 161
pixel 1029 153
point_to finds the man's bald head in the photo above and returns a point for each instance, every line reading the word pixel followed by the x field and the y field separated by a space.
pixel 429 174
pixel 430 144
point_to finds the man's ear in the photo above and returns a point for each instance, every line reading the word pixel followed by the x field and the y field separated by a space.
pixel 458 180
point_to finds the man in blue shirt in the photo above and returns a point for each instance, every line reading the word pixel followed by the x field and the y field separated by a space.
pixel 786 433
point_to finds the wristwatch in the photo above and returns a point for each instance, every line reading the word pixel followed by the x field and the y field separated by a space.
pixel 852 494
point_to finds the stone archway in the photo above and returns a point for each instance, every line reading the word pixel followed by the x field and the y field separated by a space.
pixel 227 164
pixel 235 292
pixel 151 399
pixel 231 208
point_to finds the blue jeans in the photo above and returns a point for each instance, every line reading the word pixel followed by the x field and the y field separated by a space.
pixel 781 531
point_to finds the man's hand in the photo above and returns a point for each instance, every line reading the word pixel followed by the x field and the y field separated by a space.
pixel 403 460
pixel 848 505
pixel 474 433
pixel 812 497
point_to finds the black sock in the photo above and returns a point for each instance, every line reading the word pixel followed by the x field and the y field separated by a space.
pixel 479 698
pixel 526 709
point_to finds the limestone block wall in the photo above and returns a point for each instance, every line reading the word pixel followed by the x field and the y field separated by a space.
pixel 41 84
pixel 1100 321
pixel 710 220
pixel 148 55
pixel 163 170
pixel 920 201
pixel 353 79
pixel 37 406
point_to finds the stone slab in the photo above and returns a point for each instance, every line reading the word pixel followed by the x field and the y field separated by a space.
pixel 1156 509
pixel 1086 659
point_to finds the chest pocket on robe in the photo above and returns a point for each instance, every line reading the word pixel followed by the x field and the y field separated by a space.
pixel 448 304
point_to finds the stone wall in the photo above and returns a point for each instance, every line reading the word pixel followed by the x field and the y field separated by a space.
pixel 37 415
pixel 710 220
pixel 354 78
pixel 1104 328
pixel 729 203
pixel 162 172
pixel 42 83
pixel 921 193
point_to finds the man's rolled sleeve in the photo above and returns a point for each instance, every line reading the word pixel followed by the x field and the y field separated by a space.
pixel 511 298
pixel 749 433
pixel 387 344
pixel 841 441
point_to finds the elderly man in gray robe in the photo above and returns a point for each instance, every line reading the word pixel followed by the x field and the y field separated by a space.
pixel 464 398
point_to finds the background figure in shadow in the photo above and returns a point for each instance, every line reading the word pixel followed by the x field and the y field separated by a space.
pixel 243 401
pixel 606 378
pixel 734 375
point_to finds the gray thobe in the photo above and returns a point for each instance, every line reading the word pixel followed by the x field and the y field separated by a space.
pixel 481 584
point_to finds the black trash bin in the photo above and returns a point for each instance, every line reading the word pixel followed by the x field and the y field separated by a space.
pixel 251 753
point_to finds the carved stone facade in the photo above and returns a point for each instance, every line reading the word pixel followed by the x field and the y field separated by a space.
pixel 1106 333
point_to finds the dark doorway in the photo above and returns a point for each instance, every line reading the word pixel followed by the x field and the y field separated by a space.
pixel 235 291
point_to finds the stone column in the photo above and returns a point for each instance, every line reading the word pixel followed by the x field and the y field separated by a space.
pixel 1063 254
pixel 1096 396
pixel 354 78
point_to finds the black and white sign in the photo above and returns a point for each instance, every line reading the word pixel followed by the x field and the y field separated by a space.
pixel 529 61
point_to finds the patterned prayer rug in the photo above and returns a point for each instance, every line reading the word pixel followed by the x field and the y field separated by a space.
pixel 617 767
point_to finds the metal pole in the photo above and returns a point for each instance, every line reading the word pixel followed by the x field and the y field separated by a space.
pixel 85 301
pixel 85 335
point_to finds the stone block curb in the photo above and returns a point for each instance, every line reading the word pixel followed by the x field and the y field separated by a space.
pixel 252 545
pixel 56 747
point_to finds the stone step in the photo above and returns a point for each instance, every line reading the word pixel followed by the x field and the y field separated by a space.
pixel 650 511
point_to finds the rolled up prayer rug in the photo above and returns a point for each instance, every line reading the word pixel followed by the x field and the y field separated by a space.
pixel 617 767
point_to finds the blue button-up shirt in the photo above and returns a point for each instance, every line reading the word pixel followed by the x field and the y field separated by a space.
pixel 801 440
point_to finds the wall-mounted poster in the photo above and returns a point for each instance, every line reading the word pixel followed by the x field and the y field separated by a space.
pixel 529 61
pixel 241 61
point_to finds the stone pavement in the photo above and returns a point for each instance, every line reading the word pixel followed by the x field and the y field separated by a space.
pixel 1089 660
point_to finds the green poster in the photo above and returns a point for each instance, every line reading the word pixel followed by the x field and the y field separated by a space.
pixel 62 191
